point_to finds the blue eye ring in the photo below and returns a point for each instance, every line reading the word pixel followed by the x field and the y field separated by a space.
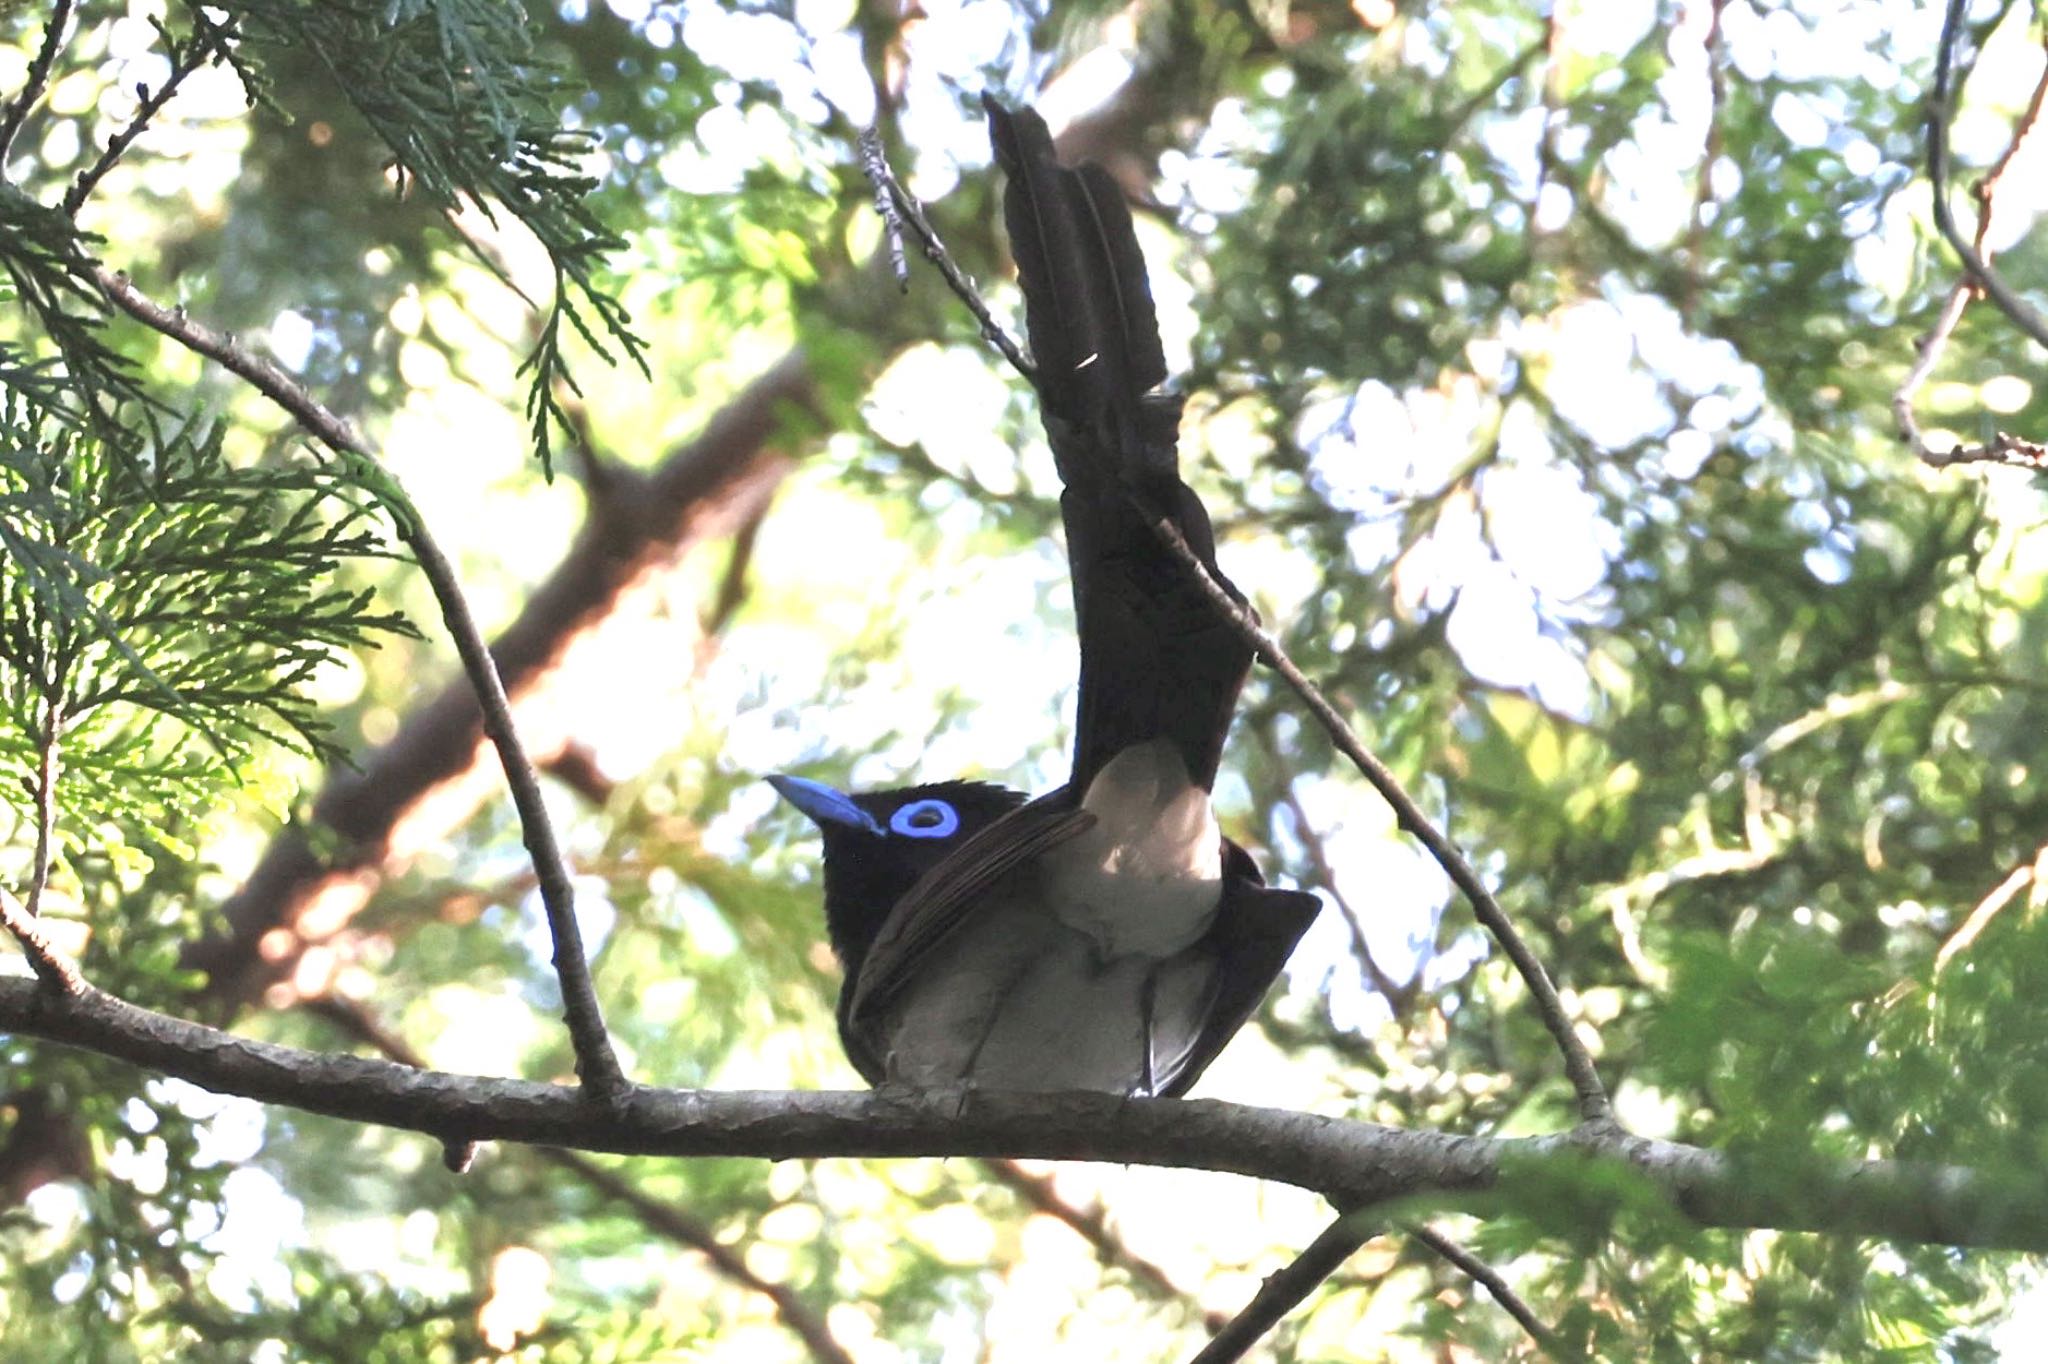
pixel 925 819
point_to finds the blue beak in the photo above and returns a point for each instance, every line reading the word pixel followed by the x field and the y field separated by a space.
pixel 824 805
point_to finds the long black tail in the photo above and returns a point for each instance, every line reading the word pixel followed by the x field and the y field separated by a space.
pixel 1154 658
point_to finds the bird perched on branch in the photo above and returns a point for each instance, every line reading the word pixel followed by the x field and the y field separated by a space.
pixel 1104 936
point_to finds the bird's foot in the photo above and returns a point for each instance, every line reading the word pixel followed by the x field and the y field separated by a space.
pixel 949 1098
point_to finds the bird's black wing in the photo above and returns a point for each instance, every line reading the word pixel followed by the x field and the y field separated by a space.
pixel 1155 660
pixel 947 895
pixel 1256 929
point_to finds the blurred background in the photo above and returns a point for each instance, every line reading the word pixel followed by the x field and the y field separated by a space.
pixel 1540 367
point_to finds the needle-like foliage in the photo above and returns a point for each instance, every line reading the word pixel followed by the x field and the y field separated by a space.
pixel 471 113
pixel 148 603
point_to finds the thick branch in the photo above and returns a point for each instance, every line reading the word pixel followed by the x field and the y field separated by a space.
pixel 660 1217
pixel 596 1064
pixel 1352 1163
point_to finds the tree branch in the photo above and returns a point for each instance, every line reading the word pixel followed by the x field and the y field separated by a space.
pixel 899 209
pixel 1093 1227
pixel 1352 1163
pixel 206 40
pixel 38 80
pixel 665 1219
pixel 596 1064
pixel 1488 1278
pixel 1594 1107
pixel 1398 996
pixel 23 919
pixel 1938 112
pixel 1284 1290
pixel 54 971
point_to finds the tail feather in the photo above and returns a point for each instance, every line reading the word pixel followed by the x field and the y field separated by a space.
pixel 1155 659
pixel 1087 299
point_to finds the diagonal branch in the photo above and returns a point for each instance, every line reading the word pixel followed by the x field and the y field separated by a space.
pixel 54 971
pixel 2004 448
pixel 1093 1227
pixel 1398 996
pixel 1285 1290
pixel 1594 1107
pixel 1995 288
pixel 207 39
pixel 596 1064
pixel 1489 1278
pixel 899 209
pixel 37 82
pixel 664 1218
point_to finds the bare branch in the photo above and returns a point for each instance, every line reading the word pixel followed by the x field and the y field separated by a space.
pixel 1488 1278
pixel 1939 111
pixel 47 767
pixel 2005 449
pixel 1594 1107
pixel 37 82
pixel 1351 1163
pixel 910 213
pixel 1283 1291
pixel 1092 1226
pixel 596 1064
pixel 206 40
pixel 663 1218
pixel 876 166
pixel 54 971
pixel 1397 995
pixel 1987 909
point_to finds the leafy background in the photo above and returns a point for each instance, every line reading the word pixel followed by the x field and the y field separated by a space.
pixel 1540 368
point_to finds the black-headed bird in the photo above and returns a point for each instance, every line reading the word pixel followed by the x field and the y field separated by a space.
pixel 1105 936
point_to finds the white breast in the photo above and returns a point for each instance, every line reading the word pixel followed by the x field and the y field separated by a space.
pixel 1147 878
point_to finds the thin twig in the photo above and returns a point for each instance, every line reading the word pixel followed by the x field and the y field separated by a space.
pixel 1710 152
pixel 1988 909
pixel 24 919
pixel 876 166
pixel 205 41
pixel 1938 111
pixel 802 1319
pixel 1093 1227
pixel 910 213
pixel 1594 1107
pixel 596 1064
pixel 48 764
pixel 1488 1278
pixel 54 970
pixel 1283 1291
pixel 2005 448
pixel 1397 995
pixel 38 80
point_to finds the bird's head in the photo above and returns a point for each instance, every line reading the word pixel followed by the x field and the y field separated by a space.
pixel 878 843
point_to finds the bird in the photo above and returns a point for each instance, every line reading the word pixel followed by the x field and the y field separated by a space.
pixel 1105 935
